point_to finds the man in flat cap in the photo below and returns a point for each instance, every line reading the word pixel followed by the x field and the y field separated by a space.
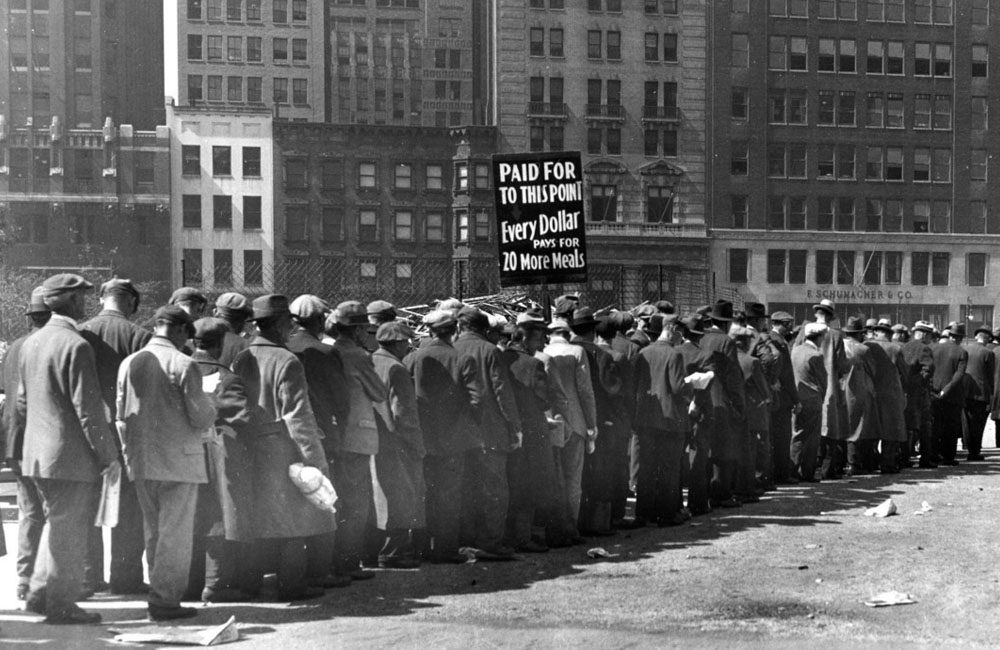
pixel 358 440
pixel 224 521
pixel 948 392
pixel 328 396
pixel 234 309
pixel 68 443
pixel 116 338
pixel 486 496
pixel 400 459
pixel 979 395
pixel 447 389
pixel 162 416
pixel 919 361
pixel 284 517
pixel 785 397
pixel 381 311
pixel 190 300
pixel 31 518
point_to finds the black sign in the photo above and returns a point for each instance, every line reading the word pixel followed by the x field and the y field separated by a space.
pixel 540 223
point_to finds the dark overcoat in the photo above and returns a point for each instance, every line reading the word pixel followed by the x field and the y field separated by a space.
pixel 498 419
pixel 447 387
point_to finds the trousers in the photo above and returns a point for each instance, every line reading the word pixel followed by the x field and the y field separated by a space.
pixel 781 442
pixel 168 509
pixel 443 477
pixel 353 481
pixel 658 494
pixel 30 523
pixel 571 459
pixel 976 414
pixel 805 441
pixel 485 499
pixel 947 427
pixel 127 544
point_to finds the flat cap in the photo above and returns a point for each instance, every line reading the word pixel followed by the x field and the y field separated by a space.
pixel 269 306
pixel 531 318
pixel 36 304
pixel 351 312
pixel 396 330
pixel 383 309
pixel 439 318
pixel 210 330
pixel 309 306
pixel 172 314
pixel 564 307
pixel 665 307
pixel 187 293
pixel 233 302
pixel 559 324
pixel 120 285
pixel 473 317
pixel 781 316
pixel 63 282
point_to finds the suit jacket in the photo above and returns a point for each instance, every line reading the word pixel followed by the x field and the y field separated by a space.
pixel 859 390
pixel 402 406
pixel 778 370
pixel 662 397
pixel 328 392
pixel 607 380
pixel 13 431
pixel 447 389
pixel 163 413
pixel 530 384
pixel 232 345
pixel 59 405
pixel 758 392
pixel 117 337
pixel 727 390
pixel 950 362
pixel 981 368
pixel 498 417
pixel 810 375
pixel 571 365
pixel 359 435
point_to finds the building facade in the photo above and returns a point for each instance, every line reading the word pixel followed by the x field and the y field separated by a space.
pixel 247 53
pixel 625 84
pixel 850 156
pixel 221 198
pixel 81 61
pixel 90 200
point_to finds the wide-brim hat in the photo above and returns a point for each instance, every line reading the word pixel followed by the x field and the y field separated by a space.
pixel 723 310
pixel 985 329
pixel 693 324
pixel 923 326
pixel 826 305
pixel 854 325
pixel 583 317
pixel 755 310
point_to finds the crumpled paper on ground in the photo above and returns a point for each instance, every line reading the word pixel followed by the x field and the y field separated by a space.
pixel 885 509
pixel 889 598
pixel 598 553
pixel 924 509
pixel 699 380
pixel 205 636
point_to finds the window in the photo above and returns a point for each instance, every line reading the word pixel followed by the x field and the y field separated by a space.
pixel 234 89
pixel 826 113
pixel 875 111
pixel 827 61
pixel 893 164
pixel 434 227
pixel 234 48
pixel 872 267
pixel 222 161
pixel 844 221
pixel 299 50
pixel 191 206
pixel 846 109
pixel 214 48
pixel 979 113
pixel 332 174
pixel 255 90
pixel 670 48
pixel 253 268
pixel 435 176
pixel 776 160
pixel 299 10
pixel 797 266
pixel 777 55
pixel 252 213
pixel 295 173
pixel 776 266
pixel 824 267
pixel 977 217
pixel 482 226
pixel 368 271
pixel 191 160
pixel 740 163
pixel 215 9
pixel 739 259
pixel 594 49
pixel 280 90
pixel 873 215
pixel 894 58
pixel 919 266
pixel 462 177
pixel 196 87
pixel 942 112
pixel 461 226
pixel 940 265
pixel 941 166
pixel 922 112
pixel 481 180
pixel 614 141
pixel 251 161
pixel 981 12
pixel 921 165
pixel 194 9
pixel 296 223
pixel 614 45
pixel 740 107
pixel 144 167
pixel 845 267
pixel 254 49
pixel 603 203
pixel 556 42
pixel 279 50
pixel 222 212
pixel 825 162
pixel 403 225
pixel 894 111
pixel 652 41
pixel 367 226
pixel 980 60
pixel 739 211
pixel 333 224
pixel 740 50
pixel 194 52
pixel 942 60
pixel 975 269
pixel 366 175
pixel 979 164
pixel 536 41
pixel 848 54
pixel 893 216
pixel 404 176
pixel 941 216
pixel 191 266
pixel 876 57
pixel 253 10
pixel 659 204
pixel 825 208
pixel 798 58
pixel 874 164
pixel 300 94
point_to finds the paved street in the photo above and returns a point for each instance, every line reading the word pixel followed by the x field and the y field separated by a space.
pixel 792 569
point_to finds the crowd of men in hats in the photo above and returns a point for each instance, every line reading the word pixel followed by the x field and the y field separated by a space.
pixel 485 438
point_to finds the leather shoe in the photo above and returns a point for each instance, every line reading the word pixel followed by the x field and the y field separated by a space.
pixel 331 581
pixel 975 457
pixel 223 596
pixel 731 502
pixel 35 605
pixel 22 592
pixel 360 574
pixel 73 616
pixel 161 613
pixel 532 547
pixel 391 562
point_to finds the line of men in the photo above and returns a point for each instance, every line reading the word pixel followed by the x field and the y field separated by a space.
pixel 487 437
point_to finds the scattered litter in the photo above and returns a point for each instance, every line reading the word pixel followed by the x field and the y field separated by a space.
pixel 819 581
pixel 695 523
pixel 803 567
pixel 811 616
pixel 470 554
pixel 813 546
pixel 598 553
pixel 885 509
pixel 948 504
pixel 889 598
pixel 924 509
pixel 203 636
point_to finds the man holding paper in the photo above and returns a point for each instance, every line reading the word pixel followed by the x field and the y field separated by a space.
pixel 163 414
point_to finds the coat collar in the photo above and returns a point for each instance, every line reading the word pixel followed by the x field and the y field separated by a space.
pixel 382 352
pixel 263 342
pixel 204 359
pixel 64 321
pixel 112 313
pixel 161 342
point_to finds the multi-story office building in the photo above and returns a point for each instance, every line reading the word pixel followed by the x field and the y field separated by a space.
pixel 237 53
pixel 86 199
pixel 221 197
pixel 850 155
pixel 402 62
pixel 81 61
pixel 625 83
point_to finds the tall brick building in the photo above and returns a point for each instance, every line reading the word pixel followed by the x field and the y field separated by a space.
pixel 850 148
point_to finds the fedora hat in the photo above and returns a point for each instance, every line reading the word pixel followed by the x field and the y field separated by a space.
pixel 854 325
pixel 756 310
pixel 723 310
pixel 826 305
pixel 583 316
